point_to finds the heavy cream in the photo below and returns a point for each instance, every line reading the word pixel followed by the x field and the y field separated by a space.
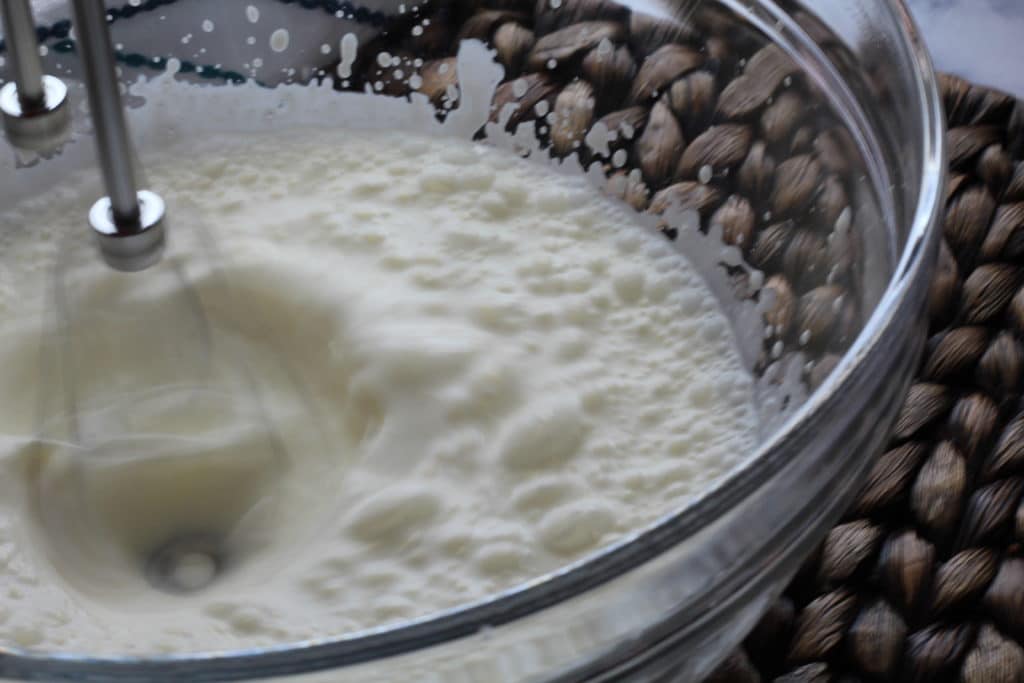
pixel 390 374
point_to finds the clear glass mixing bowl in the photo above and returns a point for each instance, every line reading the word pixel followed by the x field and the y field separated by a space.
pixel 813 218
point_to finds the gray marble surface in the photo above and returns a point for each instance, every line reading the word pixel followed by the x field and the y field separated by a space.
pixel 982 40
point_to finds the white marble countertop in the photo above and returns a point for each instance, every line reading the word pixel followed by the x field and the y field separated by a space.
pixel 981 40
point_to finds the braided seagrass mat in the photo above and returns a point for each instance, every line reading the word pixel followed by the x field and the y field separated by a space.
pixel 923 578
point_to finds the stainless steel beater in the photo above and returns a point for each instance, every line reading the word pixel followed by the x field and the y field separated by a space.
pixel 99 420
pixel 129 223
pixel 34 105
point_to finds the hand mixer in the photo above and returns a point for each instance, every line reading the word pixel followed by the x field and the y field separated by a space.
pixel 188 541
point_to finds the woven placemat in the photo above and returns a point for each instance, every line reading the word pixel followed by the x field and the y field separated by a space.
pixel 923 578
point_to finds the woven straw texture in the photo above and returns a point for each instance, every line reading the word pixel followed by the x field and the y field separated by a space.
pixel 923 579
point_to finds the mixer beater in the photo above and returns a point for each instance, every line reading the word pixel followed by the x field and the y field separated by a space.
pixel 129 228
pixel 128 223
pixel 34 105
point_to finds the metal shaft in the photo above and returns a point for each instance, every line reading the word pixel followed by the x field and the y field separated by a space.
pixel 23 52
pixel 112 140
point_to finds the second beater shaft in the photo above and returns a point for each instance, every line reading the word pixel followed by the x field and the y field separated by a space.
pixel 128 222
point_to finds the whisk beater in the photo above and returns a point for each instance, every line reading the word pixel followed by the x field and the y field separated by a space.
pixel 34 105
pixel 129 224
pixel 164 451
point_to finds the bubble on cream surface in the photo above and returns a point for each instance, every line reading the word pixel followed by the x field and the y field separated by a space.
pixel 517 373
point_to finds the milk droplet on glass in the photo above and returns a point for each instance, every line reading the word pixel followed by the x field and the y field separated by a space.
pixel 279 40
pixel 252 13
pixel 348 47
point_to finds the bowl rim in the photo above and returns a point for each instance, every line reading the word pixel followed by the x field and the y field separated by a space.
pixel 611 561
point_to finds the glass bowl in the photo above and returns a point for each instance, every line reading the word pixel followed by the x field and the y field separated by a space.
pixel 793 151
